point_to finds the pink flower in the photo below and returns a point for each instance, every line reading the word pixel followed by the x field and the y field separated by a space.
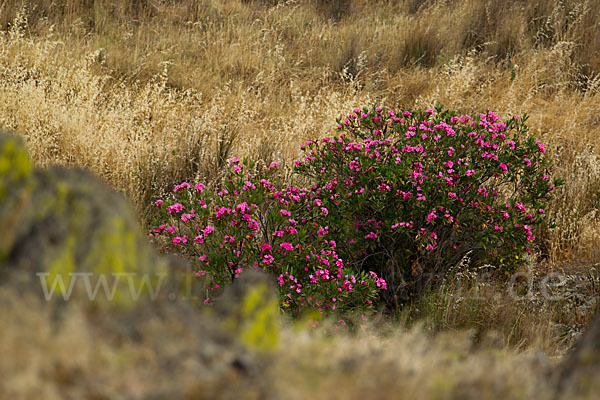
pixel 280 280
pixel 325 211
pixel 266 247
pixel 187 217
pixel 242 207
pixel 285 212
pixel 371 235
pixel 503 167
pixel 175 208
pixel 432 215
pixel 179 239
pixel 469 172
pixel 541 147
pixel 229 239
pixel 208 230
pixel 268 259
pixel 159 230
pixel 291 230
pixel 158 203
pixel 287 246
pixel 181 186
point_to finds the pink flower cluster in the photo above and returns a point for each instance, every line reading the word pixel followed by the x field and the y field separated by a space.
pixel 254 223
pixel 450 175
pixel 395 195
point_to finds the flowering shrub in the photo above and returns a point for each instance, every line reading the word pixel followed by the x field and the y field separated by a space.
pixel 394 197
pixel 255 222
pixel 412 193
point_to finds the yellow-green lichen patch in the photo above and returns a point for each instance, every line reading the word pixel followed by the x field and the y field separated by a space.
pixel 114 249
pixel 16 185
pixel 62 192
pixel 117 254
pixel 61 269
pixel 15 165
pixel 260 316
pixel 10 217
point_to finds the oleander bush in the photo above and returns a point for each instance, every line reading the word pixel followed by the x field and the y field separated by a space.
pixel 253 221
pixel 394 198
pixel 412 193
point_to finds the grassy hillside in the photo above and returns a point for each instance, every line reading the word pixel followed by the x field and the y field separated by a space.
pixel 149 93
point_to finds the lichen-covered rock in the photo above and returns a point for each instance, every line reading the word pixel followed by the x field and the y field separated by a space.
pixel 16 184
pixel 249 309
pixel 67 231
pixel 67 235
pixel 131 313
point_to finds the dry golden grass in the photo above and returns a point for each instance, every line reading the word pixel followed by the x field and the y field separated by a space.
pixel 534 309
pixel 150 93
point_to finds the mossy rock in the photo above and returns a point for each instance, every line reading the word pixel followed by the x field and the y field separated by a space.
pixel 16 186
pixel 249 310
pixel 67 236
pixel 64 226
